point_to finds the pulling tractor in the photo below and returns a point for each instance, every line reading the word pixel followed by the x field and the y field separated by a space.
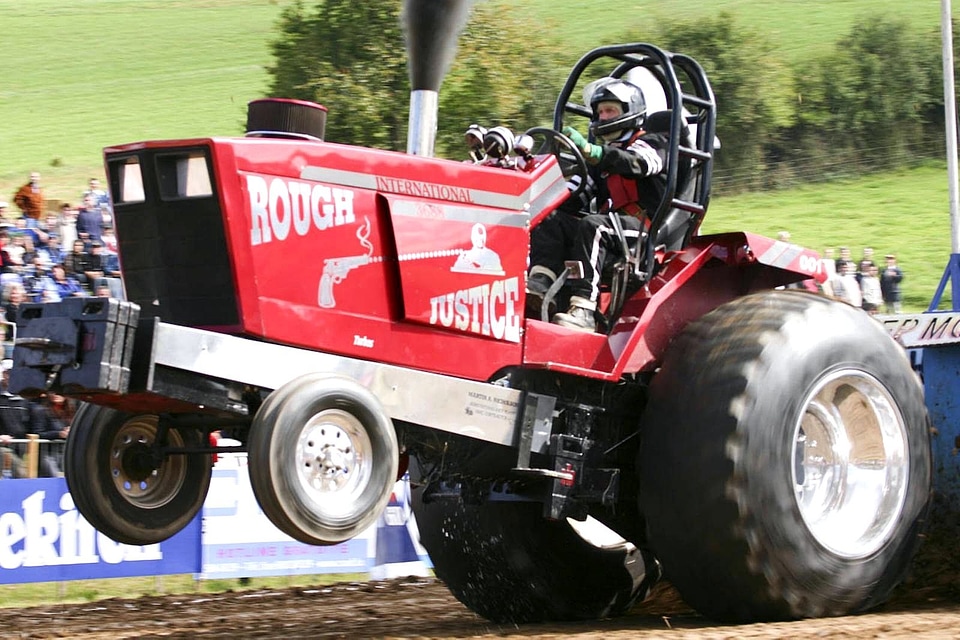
pixel 347 313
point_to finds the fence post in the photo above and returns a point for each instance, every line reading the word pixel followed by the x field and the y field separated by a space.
pixel 33 455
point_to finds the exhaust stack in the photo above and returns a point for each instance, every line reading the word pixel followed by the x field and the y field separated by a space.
pixel 432 28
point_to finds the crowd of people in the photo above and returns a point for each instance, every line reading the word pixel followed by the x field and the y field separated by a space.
pixel 48 417
pixel 863 283
pixel 47 256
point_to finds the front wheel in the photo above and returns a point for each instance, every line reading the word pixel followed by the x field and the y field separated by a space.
pixel 323 458
pixel 124 484
pixel 786 463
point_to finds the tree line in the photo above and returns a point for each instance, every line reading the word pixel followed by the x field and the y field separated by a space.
pixel 873 100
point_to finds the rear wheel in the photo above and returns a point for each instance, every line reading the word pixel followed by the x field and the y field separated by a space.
pixel 507 563
pixel 786 464
pixel 121 482
pixel 323 458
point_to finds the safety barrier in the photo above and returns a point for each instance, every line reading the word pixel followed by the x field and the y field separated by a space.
pixel 31 457
pixel 43 538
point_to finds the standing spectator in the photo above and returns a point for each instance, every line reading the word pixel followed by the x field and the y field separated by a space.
pixel 870 288
pixel 89 221
pixel 829 265
pixel 30 199
pixel 865 262
pixel 66 226
pixel 4 212
pixel 845 285
pixel 66 286
pixel 844 254
pixel 890 279
pixel 100 197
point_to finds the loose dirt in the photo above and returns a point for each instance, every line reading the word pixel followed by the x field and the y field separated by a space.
pixel 927 605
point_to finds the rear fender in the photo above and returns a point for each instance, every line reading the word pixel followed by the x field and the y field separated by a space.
pixel 710 271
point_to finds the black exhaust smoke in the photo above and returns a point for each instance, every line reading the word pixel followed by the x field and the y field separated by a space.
pixel 432 28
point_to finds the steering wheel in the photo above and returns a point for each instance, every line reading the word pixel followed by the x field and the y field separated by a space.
pixel 569 156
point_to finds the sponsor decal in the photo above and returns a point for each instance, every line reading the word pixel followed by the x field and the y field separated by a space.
pixel 282 206
pixel 38 538
pixel 423 189
pixel 923 329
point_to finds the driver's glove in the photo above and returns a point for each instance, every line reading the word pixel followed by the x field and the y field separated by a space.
pixel 591 152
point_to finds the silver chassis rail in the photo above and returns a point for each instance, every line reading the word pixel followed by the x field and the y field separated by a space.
pixel 462 407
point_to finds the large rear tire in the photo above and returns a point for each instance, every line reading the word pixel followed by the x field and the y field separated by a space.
pixel 122 486
pixel 507 563
pixel 785 467
pixel 323 458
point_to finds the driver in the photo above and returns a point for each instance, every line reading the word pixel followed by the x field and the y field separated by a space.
pixel 629 165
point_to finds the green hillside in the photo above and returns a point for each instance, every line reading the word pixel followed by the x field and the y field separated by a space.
pixel 796 28
pixel 85 74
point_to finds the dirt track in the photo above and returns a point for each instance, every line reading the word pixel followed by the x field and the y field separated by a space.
pixel 926 606
pixel 423 608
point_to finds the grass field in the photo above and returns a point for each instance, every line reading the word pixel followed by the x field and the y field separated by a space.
pixel 77 591
pixel 903 212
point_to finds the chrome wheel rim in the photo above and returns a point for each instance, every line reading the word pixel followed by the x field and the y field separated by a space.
pixel 335 461
pixel 851 464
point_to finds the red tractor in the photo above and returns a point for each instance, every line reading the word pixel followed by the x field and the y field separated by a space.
pixel 344 311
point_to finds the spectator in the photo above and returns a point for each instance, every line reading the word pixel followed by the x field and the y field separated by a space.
pixel 89 221
pixel 11 466
pixel 4 212
pixel 14 421
pixel 890 279
pixel 844 254
pixel 109 239
pixel 14 294
pixel 865 262
pixel 100 197
pixel 48 425
pixel 845 285
pixel 66 227
pixel 93 269
pixel 5 259
pixel 66 286
pixel 76 262
pixel 37 280
pixel 51 253
pixel 15 249
pixel 829 265
pixel 30 199
pixel 870 288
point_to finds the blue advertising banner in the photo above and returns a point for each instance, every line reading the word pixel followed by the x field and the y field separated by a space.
pixel 43 538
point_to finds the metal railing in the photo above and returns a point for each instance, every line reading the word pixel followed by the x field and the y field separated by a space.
pixel 21 457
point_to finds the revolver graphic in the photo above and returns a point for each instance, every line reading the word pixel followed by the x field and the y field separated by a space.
pixel 334 271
